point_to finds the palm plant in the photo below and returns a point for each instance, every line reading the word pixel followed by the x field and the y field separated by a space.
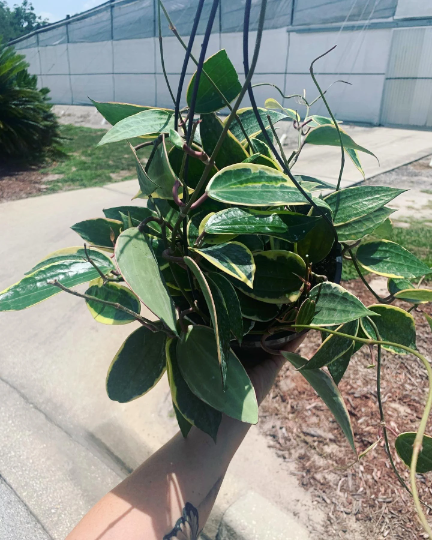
pixel 28 127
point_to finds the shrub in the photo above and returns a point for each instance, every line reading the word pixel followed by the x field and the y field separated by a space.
pixel 29 130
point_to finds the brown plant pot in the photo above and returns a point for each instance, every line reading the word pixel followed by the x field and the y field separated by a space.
pixel 250 352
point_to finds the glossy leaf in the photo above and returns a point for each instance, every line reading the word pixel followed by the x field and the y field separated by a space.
pixel 317 120
pixel 394 285
pixel 194 410
pixel 335 305
pixel 256 310
pixel 138 365
pixel 359 228
pixel 176 139
pixel 147 185
pixel 168 209
pixel 385 230
pixel 289 226
pixel 75 254
pixel 141 272
pixel 197 358
pixel 340 365
pixel 34 287
pixel 353 155
pixel 311 184
pixel 404 447
pixel 221 71
pixel 327 391
pixel 355 202
pixel 273 104
pixel 415 296
pixel 262 148
pixel 143 123
pixel 160 172
pixel 231 151
pixel 99 231
pixel 306 312
pixel 277 278
pixel 327 135
pixel 183 424
pixel 250 123
pixel 218 314
pixel 114 112
pixel 259 159
pixel 112 292
pixel 232 258
pixel 253 185
pixel 317 243
pixel 390 259
pixel 333 347
pixel 231 301
pixel 394 324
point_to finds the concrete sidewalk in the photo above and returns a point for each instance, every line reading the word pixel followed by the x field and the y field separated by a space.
pixel 63 443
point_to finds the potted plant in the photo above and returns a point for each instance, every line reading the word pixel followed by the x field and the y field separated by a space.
pixel 235 254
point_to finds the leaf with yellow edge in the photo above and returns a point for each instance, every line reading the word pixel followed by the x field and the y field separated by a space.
pixel 273 104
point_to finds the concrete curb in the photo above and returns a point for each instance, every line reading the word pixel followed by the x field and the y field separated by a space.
pixel 252 517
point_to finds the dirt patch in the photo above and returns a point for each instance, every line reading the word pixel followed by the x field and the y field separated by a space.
pixel 19 183
pixel 364 499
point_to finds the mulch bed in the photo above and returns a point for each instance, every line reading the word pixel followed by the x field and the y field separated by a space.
pixel 19 183
pixel 360 499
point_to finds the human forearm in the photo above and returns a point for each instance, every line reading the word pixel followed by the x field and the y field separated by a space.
pixel 148 504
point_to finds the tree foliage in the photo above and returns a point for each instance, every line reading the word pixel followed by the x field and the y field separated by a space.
pixel 18 20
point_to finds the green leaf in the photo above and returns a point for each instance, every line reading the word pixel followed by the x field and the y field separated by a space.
pixel 139 213
pixel 306 312
pixel 327 391
pixel 394 324
pixel 311 184
pixel 415 296
pixel 176 139
pixel 183 424
pixel 99 231
pixel 197 358
pixel 75 254
pixel 353 154
pixel 193 409
pixel 335 305
pixel 139 268
pixel 221 71
pixel 252 242
pixel 253 185
pixel 218 314
pixel 250 123
pixel 114 112
pixel 160 172
pixel 317 243
pixel 317 120
pixel 259 159
pixel 289 226
pixel 168 209
pixel 404 447
pixel 390 259
pixel 34 287
pixel 327 135
pixel 146 184
pixel 138 365
pixel 340 365
pixel 231 301
pixel 262 148
pixel 333 347
pixel 195 166
pixel 140 124
pixel 429 320
pixel 355 202
pixel 118 294
pixel 273 104
pixel 359 228
pixel 256 310
pixel 394 285
pixel 277 278
pixel 385 230
pixel 233 258
pixel 231 151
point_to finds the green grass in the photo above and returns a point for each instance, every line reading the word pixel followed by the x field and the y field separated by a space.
pixel 417 239
pixel 86 164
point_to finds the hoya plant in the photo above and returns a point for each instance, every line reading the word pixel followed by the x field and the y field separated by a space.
pixel 235 254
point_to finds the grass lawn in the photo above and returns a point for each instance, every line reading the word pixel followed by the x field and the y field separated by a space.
pixel 417 239
pixel 86 164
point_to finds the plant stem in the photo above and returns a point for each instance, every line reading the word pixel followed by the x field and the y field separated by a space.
pixel 184 211
pixel 162 57
pixel 145 322
pixel 278 141
pixel 98 270
pixel 422 427
pixel 332 117
pixel 361 276
pixel 195 61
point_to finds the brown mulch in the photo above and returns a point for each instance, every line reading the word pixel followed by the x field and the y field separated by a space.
pixel 360 499
pixel 20 182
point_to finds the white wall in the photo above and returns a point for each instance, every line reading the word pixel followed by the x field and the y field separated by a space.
pixel 413 8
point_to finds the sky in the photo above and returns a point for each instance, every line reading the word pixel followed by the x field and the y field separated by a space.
pixel 55 10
